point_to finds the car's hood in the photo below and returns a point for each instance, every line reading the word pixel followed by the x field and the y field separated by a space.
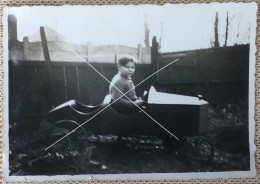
pixel 167 98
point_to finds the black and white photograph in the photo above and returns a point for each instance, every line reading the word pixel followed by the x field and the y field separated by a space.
pixel 129 92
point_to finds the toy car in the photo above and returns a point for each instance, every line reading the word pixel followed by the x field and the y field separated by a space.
pixel 178 114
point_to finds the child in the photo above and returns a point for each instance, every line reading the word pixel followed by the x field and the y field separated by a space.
pixel 123 82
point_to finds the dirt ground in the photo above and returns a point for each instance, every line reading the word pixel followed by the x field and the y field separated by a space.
pixel 224 147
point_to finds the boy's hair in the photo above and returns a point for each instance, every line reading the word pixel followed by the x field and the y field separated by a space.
pixel 123 61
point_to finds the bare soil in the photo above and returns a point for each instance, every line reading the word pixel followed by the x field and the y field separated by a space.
pixel 225 147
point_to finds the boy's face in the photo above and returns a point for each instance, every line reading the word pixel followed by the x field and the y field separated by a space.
pixel 128 69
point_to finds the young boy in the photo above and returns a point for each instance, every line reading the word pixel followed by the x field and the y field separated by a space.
pixel 123 82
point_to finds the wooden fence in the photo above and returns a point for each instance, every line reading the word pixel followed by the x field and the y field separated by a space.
pixel 30 88
pixel 215 65
pixel 218 74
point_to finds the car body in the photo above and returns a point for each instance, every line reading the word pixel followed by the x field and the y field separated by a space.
pixel 177 114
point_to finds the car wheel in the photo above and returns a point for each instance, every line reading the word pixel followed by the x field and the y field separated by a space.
pixel 67 144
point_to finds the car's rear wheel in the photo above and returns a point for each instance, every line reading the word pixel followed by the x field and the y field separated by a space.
pixel 68 142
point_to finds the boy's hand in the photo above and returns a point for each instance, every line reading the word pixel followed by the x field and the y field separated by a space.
pixel 139 102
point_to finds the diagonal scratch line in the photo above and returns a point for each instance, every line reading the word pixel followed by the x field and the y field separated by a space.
pixel 111 104
pixel 123 94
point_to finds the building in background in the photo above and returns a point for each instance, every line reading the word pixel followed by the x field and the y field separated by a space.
pixel 59 49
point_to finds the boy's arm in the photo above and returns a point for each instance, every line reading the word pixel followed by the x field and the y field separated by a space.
pixel 122 102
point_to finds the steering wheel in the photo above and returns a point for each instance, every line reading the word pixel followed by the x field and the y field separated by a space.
pixel 145 96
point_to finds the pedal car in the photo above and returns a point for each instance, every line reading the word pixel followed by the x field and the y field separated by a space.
pixel 180 115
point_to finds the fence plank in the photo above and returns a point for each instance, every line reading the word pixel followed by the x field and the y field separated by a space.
pixel 58 82
pixel 78 86
pixel 71 83
pixel 65 83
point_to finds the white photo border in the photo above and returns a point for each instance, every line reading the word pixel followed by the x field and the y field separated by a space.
pixel 157 176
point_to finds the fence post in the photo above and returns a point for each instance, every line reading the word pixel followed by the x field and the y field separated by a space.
pixel 140 53
pixel 89 47
pixel 116 58
pixel 48 63
pixel 12 31
pixel 78 86
pixel 25 48
pixel 155 60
